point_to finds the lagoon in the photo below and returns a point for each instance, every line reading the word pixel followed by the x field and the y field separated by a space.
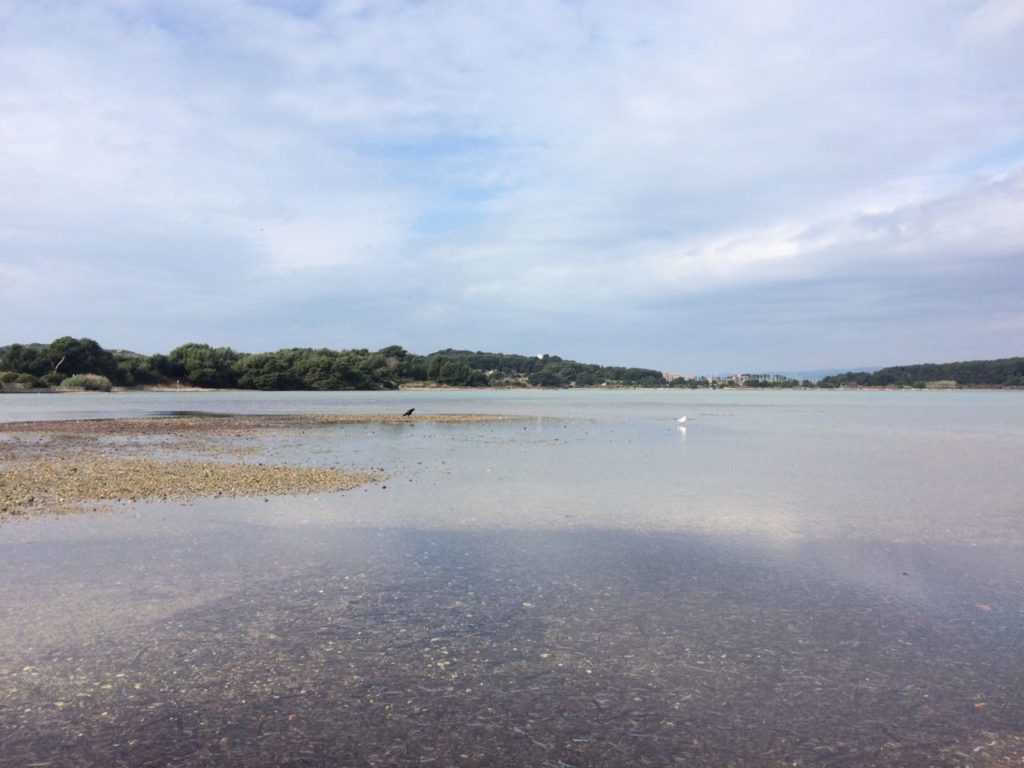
pixel 828 578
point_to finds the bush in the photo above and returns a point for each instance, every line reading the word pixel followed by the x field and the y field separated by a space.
pixel 87 381
pixel 11 381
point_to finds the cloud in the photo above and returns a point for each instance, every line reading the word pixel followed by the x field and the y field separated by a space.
pixel 356 231
pixel 486 173
pixel 995 19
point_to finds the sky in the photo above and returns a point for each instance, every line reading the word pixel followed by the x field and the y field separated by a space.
pixel 707 186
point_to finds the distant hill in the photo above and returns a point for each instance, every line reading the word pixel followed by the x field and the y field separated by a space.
pixel 547 370
pixel 1006 372
pixel 821 373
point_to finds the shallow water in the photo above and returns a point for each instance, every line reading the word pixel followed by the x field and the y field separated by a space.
pixel 798 578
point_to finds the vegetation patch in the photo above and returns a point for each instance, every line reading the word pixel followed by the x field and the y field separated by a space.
pixel 88 381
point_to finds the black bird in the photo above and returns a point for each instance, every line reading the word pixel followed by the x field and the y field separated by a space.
pixel 409 412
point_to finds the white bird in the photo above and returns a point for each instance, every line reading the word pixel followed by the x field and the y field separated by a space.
pixel 681 420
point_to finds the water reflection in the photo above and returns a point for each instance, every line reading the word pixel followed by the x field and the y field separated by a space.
pixel 403 647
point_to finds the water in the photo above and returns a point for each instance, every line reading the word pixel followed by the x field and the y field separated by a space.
pixel 826 578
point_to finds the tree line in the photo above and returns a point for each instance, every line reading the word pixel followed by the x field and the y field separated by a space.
pixel 1005 372
pixel 201 365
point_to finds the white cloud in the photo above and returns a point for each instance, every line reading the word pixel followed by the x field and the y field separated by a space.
pixel 355 232
pixel 995 19
pixel 495 156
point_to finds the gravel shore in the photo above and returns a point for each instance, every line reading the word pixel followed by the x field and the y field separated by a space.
pixel 50 467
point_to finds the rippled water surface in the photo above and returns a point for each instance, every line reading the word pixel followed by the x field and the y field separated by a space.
pixel 808 578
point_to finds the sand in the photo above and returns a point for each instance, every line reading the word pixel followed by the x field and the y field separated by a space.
pixel 57 467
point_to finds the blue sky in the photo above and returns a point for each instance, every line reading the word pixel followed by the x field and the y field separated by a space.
pixel 689 186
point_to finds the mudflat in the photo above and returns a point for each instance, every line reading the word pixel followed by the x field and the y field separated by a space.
pixel 51 467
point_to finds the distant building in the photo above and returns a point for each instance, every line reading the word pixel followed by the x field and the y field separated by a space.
pixel 758 378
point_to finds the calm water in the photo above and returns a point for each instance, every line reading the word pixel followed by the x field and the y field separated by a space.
pixel 809 578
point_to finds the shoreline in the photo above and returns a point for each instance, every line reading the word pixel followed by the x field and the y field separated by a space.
pixel 10 390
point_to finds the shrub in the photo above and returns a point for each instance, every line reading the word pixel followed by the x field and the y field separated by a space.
pixel 27 379
pixel 8 377
pixel 87 381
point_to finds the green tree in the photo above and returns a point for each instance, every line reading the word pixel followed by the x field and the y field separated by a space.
pixel 547 377
pixel 267 370
pixel 203 366
pixel 136 370
pixel 69 356
pixel 19 358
